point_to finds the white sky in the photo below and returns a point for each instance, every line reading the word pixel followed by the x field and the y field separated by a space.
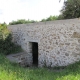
pixel 28 9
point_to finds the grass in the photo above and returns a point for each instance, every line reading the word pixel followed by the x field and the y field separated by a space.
pixel 12 71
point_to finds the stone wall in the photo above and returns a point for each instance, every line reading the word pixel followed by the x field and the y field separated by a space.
pixel 58 41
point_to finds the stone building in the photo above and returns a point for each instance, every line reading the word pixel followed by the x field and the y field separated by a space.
pixel 51 43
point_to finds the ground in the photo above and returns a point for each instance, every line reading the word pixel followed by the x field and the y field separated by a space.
pixel 12 71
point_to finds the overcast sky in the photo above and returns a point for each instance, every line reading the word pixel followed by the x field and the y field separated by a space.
pixel 28 9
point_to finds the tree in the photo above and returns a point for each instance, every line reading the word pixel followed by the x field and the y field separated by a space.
pixel 21 21
pixel 71 9
pixel 50 18
pixel 3 31
pixel 43 20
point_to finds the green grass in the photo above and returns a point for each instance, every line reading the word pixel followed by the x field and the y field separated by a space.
pixel 12 71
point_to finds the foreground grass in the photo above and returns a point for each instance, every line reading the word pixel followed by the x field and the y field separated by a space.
pixel 12 71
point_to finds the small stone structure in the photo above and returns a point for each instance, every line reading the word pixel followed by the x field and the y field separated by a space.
pixel 19 58
pixel 58 41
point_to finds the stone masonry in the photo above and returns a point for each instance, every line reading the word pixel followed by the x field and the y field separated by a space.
pixel 58 41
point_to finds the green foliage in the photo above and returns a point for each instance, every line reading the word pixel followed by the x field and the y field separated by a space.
pixel 50 18
pixel 21 21
pixel 60 17
pixel 3 31
pixel 71 9
pixel 6 45
pixel 43 20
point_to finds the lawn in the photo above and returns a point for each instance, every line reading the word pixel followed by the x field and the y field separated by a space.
pixel 12 71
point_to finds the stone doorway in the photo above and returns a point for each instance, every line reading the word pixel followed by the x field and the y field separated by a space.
pixel 34 51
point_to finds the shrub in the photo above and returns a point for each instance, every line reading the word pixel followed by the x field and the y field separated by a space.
pixel 6 44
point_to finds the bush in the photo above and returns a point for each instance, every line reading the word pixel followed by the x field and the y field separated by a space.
pixel 7 47
pixel 6 44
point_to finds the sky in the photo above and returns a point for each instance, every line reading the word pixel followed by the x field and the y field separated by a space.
pixel 28 9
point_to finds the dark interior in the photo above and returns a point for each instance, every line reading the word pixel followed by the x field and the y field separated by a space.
pixel 35 53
